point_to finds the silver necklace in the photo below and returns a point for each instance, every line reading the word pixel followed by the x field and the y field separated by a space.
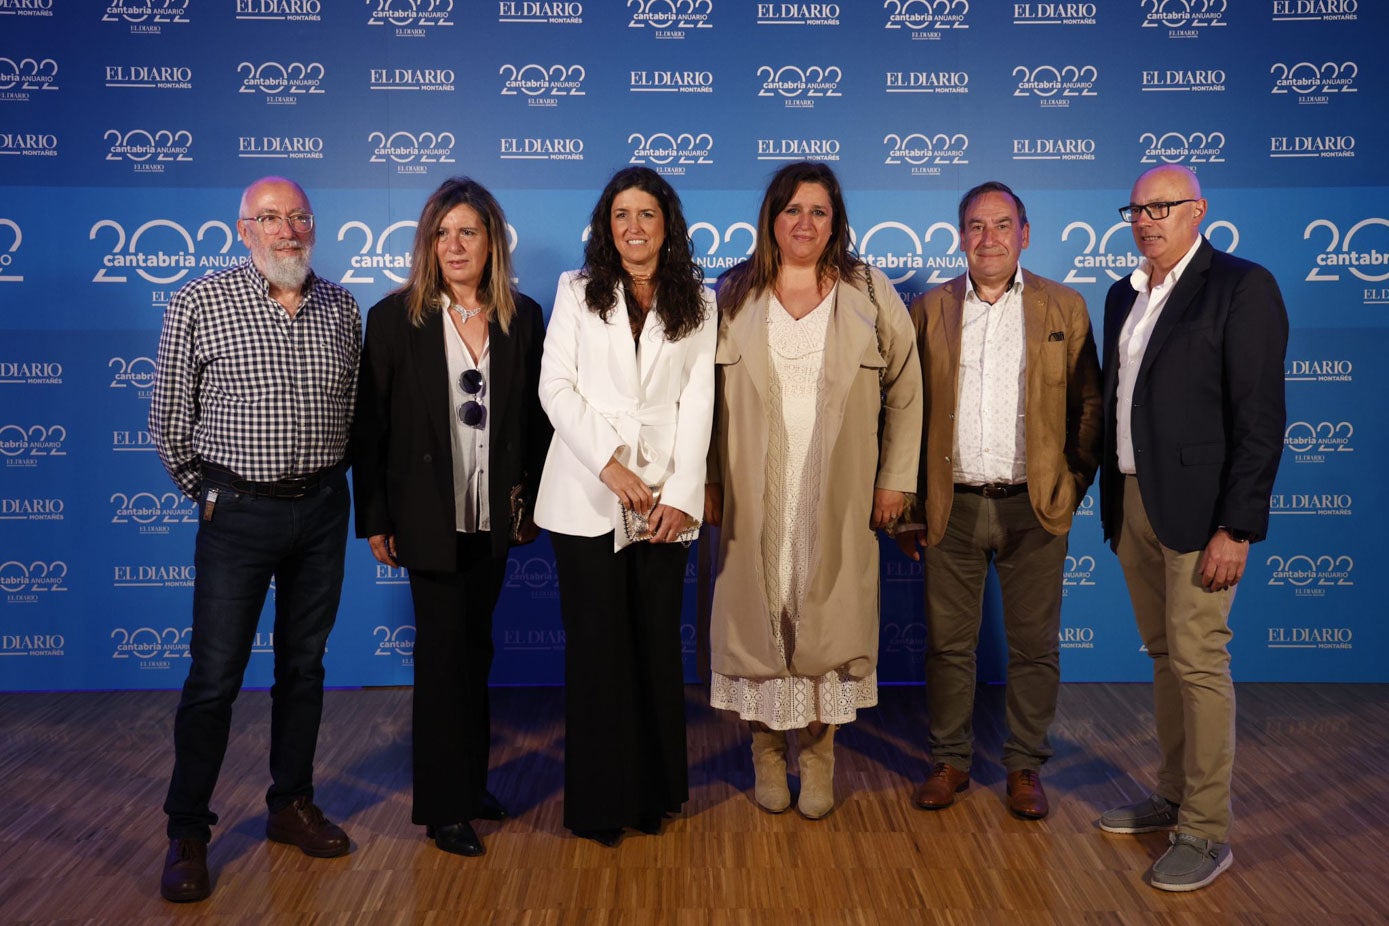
pixel 466 313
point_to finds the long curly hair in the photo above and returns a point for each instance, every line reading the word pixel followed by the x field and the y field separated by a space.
pixel 759 272
pixel 424 288
pixel 678 279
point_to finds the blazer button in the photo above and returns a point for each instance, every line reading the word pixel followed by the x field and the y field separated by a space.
pixel 429 458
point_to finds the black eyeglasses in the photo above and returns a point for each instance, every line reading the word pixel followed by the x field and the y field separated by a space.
pixel 1156 211
pixel 472 412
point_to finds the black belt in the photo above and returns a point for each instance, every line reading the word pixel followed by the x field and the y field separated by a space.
pixel 993 489
pixel 288 487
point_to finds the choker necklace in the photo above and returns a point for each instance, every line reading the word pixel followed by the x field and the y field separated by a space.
pixel 640 280
pixel 466 313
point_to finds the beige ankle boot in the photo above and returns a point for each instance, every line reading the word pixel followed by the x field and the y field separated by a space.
pixel 817 773
pixel 769 767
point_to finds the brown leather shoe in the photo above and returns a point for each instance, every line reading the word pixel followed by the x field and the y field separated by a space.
pixel 185 872
pixel 938 792
pixel 302 824
pixel 1026 797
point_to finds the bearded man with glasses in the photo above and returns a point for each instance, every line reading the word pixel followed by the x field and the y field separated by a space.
pixel 254 391
pixel 1194 341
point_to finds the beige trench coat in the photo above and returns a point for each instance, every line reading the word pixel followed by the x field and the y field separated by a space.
pixel 870 365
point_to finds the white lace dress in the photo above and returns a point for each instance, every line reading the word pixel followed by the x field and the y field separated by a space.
pixel 796 354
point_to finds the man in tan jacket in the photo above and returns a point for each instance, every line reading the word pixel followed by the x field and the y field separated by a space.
pixel 1010 443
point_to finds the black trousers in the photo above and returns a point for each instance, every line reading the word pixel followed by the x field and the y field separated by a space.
pixel 452 728
pixel 624 692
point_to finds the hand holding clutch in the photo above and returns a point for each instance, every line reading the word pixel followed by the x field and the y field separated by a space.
pixel 637 526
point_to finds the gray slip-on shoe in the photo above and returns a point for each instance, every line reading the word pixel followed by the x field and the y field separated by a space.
pixel 1148 815
pixel 1191 863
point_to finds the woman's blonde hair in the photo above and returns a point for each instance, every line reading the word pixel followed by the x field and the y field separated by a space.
pixel 424 289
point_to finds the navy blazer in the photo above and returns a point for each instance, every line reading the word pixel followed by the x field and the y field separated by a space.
pixel 402 456
pixel 1208 409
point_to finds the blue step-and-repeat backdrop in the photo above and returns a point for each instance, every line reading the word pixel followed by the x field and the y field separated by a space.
pixel 129 127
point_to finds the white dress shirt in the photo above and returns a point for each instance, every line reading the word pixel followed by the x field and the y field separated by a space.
pixel 990 435
pixel 470 444
pixel 1133 342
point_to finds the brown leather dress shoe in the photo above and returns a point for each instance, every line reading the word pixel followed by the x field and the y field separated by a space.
pixel 185 872
pixel 302 824
pixel 938 792
pixel 1026 797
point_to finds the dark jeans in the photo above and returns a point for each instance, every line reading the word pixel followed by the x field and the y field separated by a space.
pixel 300 543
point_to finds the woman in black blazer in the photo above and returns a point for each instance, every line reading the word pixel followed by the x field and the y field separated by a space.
pixel 448 446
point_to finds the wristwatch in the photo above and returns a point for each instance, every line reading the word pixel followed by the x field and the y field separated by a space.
pixel 1238 535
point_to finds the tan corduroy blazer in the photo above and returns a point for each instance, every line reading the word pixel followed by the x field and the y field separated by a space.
pixel 1062 402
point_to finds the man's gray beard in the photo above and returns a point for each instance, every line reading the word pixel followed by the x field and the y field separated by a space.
pixel 288 268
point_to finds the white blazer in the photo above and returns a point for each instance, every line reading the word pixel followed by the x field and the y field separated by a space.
pixel 654 416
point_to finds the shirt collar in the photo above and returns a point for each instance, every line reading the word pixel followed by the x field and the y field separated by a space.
pixel 1139 278
pixel 1013 287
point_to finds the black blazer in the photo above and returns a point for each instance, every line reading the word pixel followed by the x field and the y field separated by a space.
pixel 402 457
pixel 1208 411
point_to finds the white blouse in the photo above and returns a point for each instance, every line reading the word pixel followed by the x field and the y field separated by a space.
pixel 469 443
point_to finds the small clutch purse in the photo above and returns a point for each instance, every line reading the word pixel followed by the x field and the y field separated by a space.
pixel 637 529
pixel 518 513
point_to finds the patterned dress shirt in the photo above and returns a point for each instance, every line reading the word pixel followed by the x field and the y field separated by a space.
pixel 242 384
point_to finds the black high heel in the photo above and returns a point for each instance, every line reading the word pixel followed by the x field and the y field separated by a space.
pixel 607 837
pixel 650 823
pixel 458 838
pixel 489 808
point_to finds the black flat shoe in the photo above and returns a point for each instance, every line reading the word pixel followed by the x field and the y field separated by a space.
pixel 650 823
pixel 457 838
pixel 489 808
pixel 608 838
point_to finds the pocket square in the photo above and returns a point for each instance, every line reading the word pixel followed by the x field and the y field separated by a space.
pixel 1057 336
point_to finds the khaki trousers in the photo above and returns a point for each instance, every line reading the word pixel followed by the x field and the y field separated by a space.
pixel 1187 634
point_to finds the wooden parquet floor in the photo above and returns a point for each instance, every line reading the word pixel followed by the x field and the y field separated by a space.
pixel 82 778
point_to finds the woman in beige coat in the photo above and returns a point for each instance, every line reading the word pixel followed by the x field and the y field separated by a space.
pixel 817 427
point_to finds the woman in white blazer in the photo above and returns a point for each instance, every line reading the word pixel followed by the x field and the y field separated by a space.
pixel 628 382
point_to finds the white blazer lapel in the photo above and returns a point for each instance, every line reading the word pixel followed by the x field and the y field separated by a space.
pixel 621 350
pixel 653 345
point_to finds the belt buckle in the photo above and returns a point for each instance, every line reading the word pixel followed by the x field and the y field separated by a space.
pixel 994 490
pixel 292 486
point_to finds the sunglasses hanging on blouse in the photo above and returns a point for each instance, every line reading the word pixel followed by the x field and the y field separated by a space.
pixel 472 412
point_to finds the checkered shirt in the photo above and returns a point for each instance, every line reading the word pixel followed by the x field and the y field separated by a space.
pixel 241 384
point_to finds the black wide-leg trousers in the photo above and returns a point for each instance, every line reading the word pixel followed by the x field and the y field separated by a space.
pixel 625 760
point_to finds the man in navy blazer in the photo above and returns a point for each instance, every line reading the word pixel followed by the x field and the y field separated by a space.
pixel 1194 341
